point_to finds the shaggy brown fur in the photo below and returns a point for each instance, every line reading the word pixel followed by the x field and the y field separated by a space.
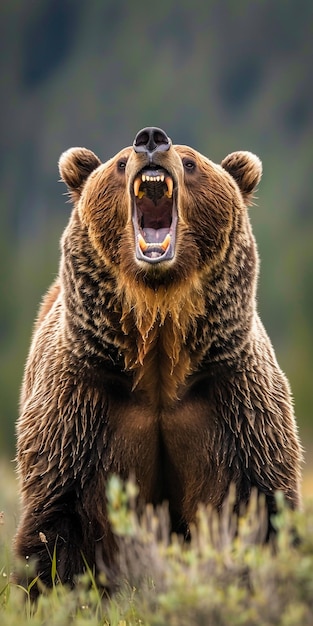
pixel 162 369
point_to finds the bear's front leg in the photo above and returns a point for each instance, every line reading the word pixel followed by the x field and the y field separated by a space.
pixel 60 540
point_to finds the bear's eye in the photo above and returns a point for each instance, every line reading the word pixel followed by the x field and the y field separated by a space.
pixel 121 165
pixel 189 165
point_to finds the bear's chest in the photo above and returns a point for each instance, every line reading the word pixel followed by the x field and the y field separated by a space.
pixel 163 447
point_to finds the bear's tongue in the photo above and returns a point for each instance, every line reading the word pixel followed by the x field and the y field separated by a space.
pixel 155 235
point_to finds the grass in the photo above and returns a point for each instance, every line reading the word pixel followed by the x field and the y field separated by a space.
pixel 218 579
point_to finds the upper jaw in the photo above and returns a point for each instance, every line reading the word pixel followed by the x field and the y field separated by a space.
pixel 154 214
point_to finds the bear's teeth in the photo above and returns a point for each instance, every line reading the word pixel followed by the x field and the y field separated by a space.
pixel 143 178
pixel 169 182
pixel 142 243
pixel 144 246
pixel 137 183
pixel 166 242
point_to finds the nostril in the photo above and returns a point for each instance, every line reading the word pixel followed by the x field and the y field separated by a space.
pixel 151 139
pixel 159 137
pixel 142 138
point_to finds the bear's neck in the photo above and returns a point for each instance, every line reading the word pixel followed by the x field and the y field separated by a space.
pixel 157 326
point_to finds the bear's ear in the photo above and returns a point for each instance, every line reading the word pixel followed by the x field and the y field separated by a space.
pixel 246 169
pixel 75 165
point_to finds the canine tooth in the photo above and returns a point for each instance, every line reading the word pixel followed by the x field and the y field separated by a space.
pixel 166 242
pixel 169 183
pixel 137 183
pixel 142 243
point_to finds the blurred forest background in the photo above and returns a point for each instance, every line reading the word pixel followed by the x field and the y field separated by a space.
pixel 219 75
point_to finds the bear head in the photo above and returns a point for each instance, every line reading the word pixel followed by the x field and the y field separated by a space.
pixel 160 216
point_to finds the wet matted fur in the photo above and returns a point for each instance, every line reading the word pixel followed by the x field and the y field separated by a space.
pixel 155 368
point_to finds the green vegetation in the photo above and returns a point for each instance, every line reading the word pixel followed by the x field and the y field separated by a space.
pixel 218 579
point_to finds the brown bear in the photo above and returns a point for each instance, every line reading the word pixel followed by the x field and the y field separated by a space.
pixel 148 356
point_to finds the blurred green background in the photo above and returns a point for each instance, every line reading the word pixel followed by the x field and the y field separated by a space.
pixel 218 75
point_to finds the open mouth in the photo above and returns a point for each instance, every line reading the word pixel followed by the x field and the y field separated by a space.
pixel 154 215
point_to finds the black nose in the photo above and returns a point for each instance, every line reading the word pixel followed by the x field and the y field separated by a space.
pixel 151 140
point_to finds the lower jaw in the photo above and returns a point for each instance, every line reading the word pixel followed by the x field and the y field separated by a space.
pixel 152 260
pixel 155 258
